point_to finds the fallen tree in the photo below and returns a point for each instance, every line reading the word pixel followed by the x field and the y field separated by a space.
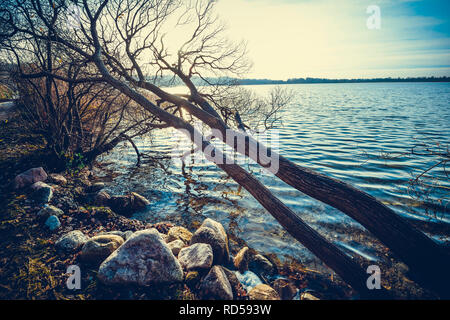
pixel 121 42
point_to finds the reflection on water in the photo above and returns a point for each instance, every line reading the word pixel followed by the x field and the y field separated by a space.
pixel 337 129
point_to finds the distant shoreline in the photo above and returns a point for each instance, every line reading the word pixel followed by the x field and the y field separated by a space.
pixel 244 82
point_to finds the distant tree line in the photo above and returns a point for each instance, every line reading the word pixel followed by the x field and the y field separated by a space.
pixel 324 80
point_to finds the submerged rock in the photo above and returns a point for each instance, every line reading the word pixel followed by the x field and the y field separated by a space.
pixel 143 259
pixel 213 233
pixel 53 223
pixel 29 177
pixel 128 204
pixel 197 256
pixel 71 241
pixel 179 233
pixel 216 285
pixel 98 248
pixel 261 265
pixel 242 259
pixel 263 292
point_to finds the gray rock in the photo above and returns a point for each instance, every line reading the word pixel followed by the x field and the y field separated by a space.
pixel 263 292
pixel 48 211
pixel 176 246
pixel 213 233
pixel 42 192
pixel 53 223
pixel 216 285
pixel 98 248
pixel 143 259
pixel 71 241
pixel 179 233
pixel 196 256
pixel 29 177
pixel 242 259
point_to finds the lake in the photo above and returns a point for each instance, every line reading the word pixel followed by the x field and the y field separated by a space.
pixel 359 133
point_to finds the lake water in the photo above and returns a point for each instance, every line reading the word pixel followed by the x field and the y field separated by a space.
pixel 353 132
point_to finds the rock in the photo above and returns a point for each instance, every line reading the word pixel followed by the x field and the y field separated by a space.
pixel 98 248
pixel 48 211
pixel 236 285
pixel 216 285
pixel 308 296
pixel 71 241
pixel 57 179
pixel 140 202
pixel 143 259
pixel 127 204
pixel 285 289
pixel 124 235
pixel 263 292
pixel 53 223
pixel 176 246
pixel 102 198
pixel 196 256
pixel 261 265
pixel 95 187
pixel 29 177
pixel 179 233
pixel 127 234
pixel 242 259
pixel 42 192
pixel 213 233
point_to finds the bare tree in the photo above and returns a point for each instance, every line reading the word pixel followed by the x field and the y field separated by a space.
pixel 128 44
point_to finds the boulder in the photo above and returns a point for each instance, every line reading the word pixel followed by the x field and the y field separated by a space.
pixel 236 285
pixel 261 265
pixel 53 223
pixel 57 179
pixel 123 234
pixel 213 233
pixel 71 241
pixel 285 289
pixel 48 211
pixel 42 192
pixel 98 248
pixel 242 259
pixel 263 292
pixel 144 259
pixel 29 177
pixel 195 257
pixel 179 233
pixel 215 286
pixel 176 246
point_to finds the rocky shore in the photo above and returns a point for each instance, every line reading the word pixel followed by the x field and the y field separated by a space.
pixel 124 258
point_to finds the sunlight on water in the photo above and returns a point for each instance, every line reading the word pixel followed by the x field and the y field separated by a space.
pixel 340 130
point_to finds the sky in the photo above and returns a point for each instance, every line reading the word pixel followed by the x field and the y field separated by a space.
pixel 331 38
